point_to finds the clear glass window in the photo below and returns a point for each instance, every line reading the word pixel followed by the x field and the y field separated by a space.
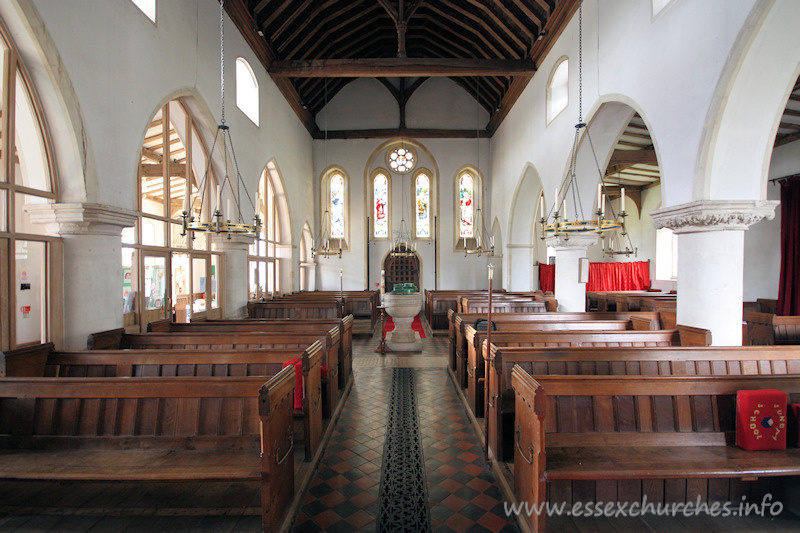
pixel 148 7
pixel 199 284
pixel 31 168
pixel 31 291
pixel 558 90
pixel 246 90
pixel 155 282
pixel 212 287
pixel 128 280
pixel 22 223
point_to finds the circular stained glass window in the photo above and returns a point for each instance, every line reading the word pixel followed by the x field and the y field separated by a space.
pixel 401 160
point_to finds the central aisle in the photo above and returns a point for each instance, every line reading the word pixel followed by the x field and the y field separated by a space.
pixel 433 477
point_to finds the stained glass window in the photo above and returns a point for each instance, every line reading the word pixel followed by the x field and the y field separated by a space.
pixel 337 206
pixel 401 160
pixel 423 197
pixel 380 200
pixel 466 195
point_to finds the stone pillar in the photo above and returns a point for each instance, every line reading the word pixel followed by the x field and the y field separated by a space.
pixel 235 272
pixel 92 264
pixel 711 261
pixel 570 293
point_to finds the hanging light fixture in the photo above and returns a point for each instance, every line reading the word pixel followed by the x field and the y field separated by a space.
pixel 231 222
pixel 321 245
pixel 482 236
pixel 559 224
pixel 401 160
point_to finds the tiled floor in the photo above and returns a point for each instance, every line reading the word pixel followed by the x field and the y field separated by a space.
pixel 462 492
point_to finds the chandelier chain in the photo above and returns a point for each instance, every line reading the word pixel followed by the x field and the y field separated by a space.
pixel 580 63
pixel 222 55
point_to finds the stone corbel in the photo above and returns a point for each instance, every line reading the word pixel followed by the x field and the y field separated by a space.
pixel 81 219
pixel 714 215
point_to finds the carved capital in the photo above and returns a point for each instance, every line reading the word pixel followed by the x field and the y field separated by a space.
pixel 572 241
pixel 81 219
pixel 714 215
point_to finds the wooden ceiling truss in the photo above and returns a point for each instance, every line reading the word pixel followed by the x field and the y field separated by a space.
pixel 313 48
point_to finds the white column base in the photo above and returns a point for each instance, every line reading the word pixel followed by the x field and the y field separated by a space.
pixel 235 272
pixel 571 294
pixel 711 261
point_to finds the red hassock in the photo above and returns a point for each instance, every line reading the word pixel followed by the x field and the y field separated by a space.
pixel 761 419
pixel 298 380
pixel 416 325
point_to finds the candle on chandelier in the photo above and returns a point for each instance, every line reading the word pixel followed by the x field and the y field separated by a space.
pixel 219 196
pixel 599 194
pixel 622 201
pixel 564 208
pixel 603 205
pixel 491 271
pixel 228 208
pixel 541 206
pixel 187 193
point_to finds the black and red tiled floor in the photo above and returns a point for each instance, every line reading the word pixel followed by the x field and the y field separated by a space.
pixel 462 492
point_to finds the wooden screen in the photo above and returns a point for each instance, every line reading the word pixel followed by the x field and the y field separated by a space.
pixel 401 269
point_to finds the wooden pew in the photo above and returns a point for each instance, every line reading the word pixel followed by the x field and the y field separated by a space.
pixel 767 329
pixel 457 322
pixel 619 438
pixel 152 429
pixel 333 308
pixel 190 363
pixel 462 342
pixel 230 341
pixel 344 340
pixel 531 339
pixel 472 305
pixel 673 361
pixel 360 304
pixel 438 303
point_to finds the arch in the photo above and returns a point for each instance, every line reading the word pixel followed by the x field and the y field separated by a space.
pixel 424 198
pixel 247 95
pixel 74 164
pixel 496 258
pixel 524 248
pixel 557 91
pixel 337 231
pixel 30 282
pixel 747 106
pixel 466 231
pixel 380 201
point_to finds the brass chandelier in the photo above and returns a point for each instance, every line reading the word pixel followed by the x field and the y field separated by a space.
pixel 558 224
pixel 231 222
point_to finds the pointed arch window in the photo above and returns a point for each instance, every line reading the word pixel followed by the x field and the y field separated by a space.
pixel 422 204
pixel 268 262
pixel 558 89
pixel 337 206
pixel 29 280
pixel 381 185
pixel 246 90
pixel 466 202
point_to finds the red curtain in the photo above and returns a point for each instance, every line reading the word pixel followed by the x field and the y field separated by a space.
pixel 629 276
pixel 547 277
pixel 789 288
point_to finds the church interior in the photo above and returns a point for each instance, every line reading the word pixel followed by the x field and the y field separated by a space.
pixel 400 265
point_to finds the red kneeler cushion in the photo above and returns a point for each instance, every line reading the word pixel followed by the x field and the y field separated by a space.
pixel 761 419
pixel 298 379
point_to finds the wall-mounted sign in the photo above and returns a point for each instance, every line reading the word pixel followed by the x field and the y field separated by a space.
pixel 26 311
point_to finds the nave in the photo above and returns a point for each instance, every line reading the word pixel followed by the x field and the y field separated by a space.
pixel 439 482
